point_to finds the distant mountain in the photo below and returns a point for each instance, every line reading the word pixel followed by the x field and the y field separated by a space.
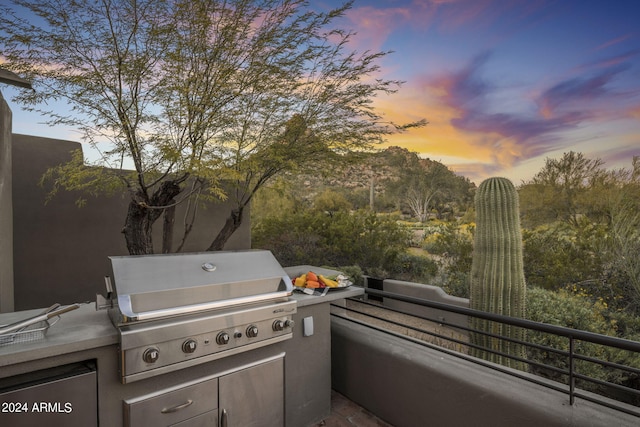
pixel 388 171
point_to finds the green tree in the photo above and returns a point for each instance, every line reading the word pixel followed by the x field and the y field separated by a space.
pixel 331 202
pixel 375 243
pixel 558 255
pixel 589 230
pixel 453 245
pixel 189 93
pixel 622 243
pixel 560 190
pixel 422 185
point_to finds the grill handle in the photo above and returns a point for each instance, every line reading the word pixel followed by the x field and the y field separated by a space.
pixel 224 418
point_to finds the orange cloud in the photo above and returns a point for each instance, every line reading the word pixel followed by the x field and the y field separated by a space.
pixel 474 153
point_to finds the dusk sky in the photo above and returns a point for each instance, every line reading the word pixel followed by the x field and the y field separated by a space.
pixel 504 84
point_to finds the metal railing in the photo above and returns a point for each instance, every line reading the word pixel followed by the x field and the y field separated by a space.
pixel 560 376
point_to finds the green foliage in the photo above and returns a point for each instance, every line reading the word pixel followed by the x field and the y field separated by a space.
pixel 560 191
pixel 452 245
pixel 622 245
pixel 75 176
pixel 497 273
pixel 574 311
pixel 557 255
pixel 416 268
pixel 374 243
pixel 424 185
pixel 188 93
pixel 331 201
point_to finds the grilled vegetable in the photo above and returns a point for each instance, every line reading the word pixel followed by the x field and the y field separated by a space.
pixel 312 276
pixel 300 281
pixel 328 282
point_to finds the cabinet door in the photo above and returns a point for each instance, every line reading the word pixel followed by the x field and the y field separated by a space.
pixel 253 396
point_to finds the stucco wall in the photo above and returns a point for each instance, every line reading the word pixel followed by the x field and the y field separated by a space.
pixel 60 250
pixel 6 210
pixel 425 292
pixel 409 385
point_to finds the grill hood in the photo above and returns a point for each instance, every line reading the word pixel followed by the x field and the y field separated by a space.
pixel 158 286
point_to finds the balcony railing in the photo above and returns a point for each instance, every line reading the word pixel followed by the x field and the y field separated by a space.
pixel 561 369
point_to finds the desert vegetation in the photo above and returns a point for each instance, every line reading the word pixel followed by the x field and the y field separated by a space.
pixel 579 223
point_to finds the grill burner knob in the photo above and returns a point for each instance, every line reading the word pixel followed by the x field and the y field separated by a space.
pixel 151 355
pixel 252 331
pixel 278 325
pixel 189 346
pixel 222 338
pixel 289 323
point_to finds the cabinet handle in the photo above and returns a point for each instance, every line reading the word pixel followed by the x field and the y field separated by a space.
pixel 224 418
pixel 177 407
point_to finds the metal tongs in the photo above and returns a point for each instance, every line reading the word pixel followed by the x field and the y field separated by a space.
pixel 53 311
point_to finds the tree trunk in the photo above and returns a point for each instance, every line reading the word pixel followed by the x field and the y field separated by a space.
pixel 143 213
pixel 232 223
pixel 167 229
pixel 137 230
pixel 372 192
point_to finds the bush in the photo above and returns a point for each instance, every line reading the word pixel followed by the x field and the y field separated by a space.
pixel 566 309
pixel 452 245
pixel 413 268
pixel 560 255
pixel 375 243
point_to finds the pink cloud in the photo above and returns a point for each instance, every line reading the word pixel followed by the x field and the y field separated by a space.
pixel 374 25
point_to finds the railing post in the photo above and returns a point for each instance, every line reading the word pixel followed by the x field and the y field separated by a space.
pixel 571 369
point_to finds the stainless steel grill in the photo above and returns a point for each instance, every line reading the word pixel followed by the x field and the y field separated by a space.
pixel 178 310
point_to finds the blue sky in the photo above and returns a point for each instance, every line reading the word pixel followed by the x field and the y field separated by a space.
pixel 504 84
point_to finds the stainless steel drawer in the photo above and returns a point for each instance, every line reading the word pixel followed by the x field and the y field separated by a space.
pixel 172 406
pixel 209 419
pixel 62 396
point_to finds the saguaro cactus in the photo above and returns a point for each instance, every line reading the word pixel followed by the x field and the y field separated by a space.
pixel 497 274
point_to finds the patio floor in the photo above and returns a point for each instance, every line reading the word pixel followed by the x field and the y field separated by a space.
pixel 345 413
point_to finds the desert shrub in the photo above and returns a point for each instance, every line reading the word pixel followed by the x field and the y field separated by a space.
pixel 452 247
pixel 413 268
pixel 573 311
pixel 560 255
pixel 373 242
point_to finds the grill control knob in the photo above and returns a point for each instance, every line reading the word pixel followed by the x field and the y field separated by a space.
pixel 278 325
pixel 151 355
pixel 252 331
pixel 189 346
pixel 289 323
pixel 222 338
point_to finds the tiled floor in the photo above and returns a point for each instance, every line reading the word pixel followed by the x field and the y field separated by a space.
pixel 345 413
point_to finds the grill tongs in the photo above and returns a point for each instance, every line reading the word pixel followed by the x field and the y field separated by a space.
pixel 23 324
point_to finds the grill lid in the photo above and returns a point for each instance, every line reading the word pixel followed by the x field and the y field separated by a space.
pixel 156 286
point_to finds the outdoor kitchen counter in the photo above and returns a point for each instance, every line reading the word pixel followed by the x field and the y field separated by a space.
pixel 331 296
pixel 86 328
pixel 85 334
pixel 78 330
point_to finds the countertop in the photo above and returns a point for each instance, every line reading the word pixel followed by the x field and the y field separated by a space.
pixel 87 328
pixel 77 330
pixel 331 295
